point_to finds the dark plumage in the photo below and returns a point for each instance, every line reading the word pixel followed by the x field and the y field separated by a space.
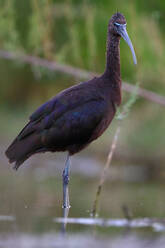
pixel 78 115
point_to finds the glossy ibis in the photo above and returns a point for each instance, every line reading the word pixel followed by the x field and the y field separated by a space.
pixel 78 115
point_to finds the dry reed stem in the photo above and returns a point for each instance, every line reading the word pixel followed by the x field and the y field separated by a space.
pixel 121 116
pixel 77 73
pixel 104 172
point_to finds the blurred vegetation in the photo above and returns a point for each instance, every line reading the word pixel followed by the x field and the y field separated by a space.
pixel 73 32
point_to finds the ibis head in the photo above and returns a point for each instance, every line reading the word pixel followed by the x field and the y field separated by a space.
pixel 117 27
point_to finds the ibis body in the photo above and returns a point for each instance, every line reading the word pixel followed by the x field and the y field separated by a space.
pixel 80 114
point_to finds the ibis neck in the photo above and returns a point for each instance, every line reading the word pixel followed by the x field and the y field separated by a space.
pixel 113 58
pixel 112 71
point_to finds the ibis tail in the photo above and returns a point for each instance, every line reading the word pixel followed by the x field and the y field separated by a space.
pixel 22 149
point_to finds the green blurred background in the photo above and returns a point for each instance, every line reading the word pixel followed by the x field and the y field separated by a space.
pixel 74 33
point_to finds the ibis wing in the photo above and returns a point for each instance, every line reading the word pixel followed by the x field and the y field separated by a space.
pixel 46 115
pixel 67 99
pixel 43 110
pixel 76 126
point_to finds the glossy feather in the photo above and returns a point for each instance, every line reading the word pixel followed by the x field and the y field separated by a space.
pixel 76 116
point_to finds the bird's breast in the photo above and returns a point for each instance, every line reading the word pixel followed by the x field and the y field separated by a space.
pixel 105 122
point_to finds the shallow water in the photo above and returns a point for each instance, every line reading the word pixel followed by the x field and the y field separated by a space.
pixel 31 200
pixel 79 240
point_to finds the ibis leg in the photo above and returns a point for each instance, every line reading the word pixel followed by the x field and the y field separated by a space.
pixel 66 204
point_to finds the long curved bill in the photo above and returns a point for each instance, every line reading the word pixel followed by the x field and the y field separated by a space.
pixel 123 32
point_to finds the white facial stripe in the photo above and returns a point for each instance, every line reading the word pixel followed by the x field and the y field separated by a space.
pixel 118 24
